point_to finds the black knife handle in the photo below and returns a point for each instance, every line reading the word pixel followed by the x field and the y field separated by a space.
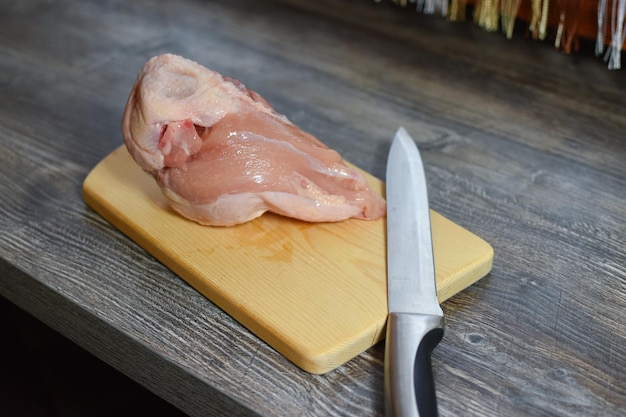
pixel 423 373
pixel 409 383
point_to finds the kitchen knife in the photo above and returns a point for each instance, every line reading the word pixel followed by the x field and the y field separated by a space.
pixel 415 321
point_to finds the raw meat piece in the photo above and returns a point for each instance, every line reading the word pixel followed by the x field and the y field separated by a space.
pixel 223 156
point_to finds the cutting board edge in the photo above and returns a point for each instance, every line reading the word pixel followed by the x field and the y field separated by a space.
pixel 322 360
pixel 476 270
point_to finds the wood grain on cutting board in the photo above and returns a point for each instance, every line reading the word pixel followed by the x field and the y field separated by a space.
pixel 316 292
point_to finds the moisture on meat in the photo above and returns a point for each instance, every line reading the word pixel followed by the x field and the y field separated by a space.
pixel 223 156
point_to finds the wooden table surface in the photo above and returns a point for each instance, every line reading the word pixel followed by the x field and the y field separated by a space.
pixel 523 146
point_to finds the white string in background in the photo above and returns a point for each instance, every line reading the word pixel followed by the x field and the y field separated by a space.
pixel 614 51
pixel 601 23
pixel 433 6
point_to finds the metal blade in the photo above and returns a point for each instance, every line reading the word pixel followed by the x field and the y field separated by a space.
pixel 411 286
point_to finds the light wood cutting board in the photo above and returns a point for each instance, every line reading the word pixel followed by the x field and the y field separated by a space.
pixel 316 292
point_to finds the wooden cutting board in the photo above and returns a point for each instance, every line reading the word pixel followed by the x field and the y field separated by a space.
pixel 316 292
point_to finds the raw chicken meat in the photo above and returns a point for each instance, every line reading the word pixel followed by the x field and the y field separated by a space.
pixel 223 156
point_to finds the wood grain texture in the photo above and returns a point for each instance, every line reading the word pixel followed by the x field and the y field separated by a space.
pixel 522 145
pixel 314 292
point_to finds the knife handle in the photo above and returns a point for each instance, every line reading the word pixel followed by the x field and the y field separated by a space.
pixel 409 383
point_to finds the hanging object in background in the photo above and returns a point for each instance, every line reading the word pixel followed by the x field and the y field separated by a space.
pixel 426 6
pixel 457 10
pixel 568 20
pixel 539 21
pixel 601 27
pixel 566 32
pixel 508 14
pixel 487 14
pixel 433 6
pixel 618 34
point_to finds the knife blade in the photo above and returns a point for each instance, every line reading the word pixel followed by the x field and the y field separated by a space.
pixel 415 320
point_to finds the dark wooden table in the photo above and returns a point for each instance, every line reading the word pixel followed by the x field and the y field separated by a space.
pixel 523 145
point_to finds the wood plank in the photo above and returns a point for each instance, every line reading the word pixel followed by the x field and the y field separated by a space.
pixel 316 292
